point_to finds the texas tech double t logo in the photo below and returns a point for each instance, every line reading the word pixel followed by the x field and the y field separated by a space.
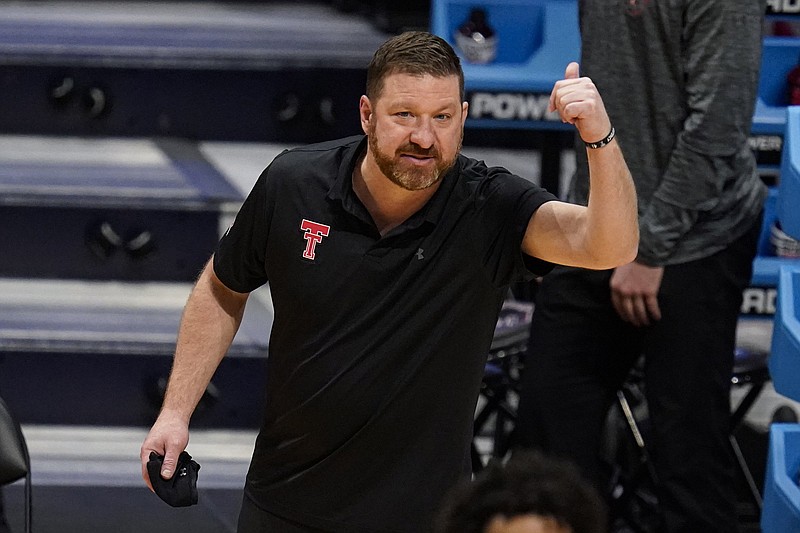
pixel 314 232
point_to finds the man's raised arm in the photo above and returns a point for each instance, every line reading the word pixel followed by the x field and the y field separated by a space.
pixel 604 234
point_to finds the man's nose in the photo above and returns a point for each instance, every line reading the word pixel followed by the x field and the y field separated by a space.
pixel 422 134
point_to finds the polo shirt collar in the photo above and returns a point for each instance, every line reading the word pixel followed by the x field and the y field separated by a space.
pixel 342 190
pixel 342 187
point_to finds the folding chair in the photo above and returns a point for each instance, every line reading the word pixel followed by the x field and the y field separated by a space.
pixel 15 462
pixel 632 474
pixel 497 410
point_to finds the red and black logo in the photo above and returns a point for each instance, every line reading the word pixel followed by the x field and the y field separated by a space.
pixel 314 232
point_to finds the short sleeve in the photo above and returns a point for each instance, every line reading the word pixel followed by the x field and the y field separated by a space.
pixel 240 257
pixel 506 203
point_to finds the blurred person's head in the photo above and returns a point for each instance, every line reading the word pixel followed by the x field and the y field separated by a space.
pixel 532 493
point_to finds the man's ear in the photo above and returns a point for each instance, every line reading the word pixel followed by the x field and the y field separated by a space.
pixel 365 112
pixel 464 112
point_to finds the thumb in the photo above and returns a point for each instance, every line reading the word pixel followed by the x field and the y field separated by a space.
pixel 572 72
pixel 169 464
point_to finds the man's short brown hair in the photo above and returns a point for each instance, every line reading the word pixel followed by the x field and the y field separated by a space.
pixel 416 53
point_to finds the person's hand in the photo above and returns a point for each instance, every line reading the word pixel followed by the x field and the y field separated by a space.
pixel 634 293
pixel 578 102
pixel 168 437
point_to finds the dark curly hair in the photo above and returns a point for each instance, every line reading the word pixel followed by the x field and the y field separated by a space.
pixel 530 483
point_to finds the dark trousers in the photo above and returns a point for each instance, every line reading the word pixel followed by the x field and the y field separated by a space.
pixel 581 351
pixel 253 519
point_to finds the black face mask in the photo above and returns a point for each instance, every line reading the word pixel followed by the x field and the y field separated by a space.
pixel 181 489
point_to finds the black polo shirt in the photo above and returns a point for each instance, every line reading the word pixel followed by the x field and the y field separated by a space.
pixel 378 343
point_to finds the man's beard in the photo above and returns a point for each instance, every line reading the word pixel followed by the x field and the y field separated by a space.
pixel 408 176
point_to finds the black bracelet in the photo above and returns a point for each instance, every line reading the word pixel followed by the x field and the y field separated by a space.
pixel 602 142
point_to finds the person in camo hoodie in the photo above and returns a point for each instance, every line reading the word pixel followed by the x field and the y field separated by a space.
pixel 679 80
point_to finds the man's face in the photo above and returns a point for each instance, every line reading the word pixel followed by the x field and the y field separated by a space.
pixel 415 128
pixel 529 523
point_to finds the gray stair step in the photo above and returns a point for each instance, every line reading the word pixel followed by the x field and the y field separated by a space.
pixel 99 353
pixel 88 479
pixel 128 209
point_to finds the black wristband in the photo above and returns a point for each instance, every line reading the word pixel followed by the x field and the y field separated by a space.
pixel 602 142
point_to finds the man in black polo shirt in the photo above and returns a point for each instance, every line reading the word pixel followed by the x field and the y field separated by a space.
pixel 388 258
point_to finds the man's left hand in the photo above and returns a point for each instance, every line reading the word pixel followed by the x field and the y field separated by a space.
pixel 634 293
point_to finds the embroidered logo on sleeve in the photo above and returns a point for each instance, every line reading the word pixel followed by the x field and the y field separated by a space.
pixel 314 232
